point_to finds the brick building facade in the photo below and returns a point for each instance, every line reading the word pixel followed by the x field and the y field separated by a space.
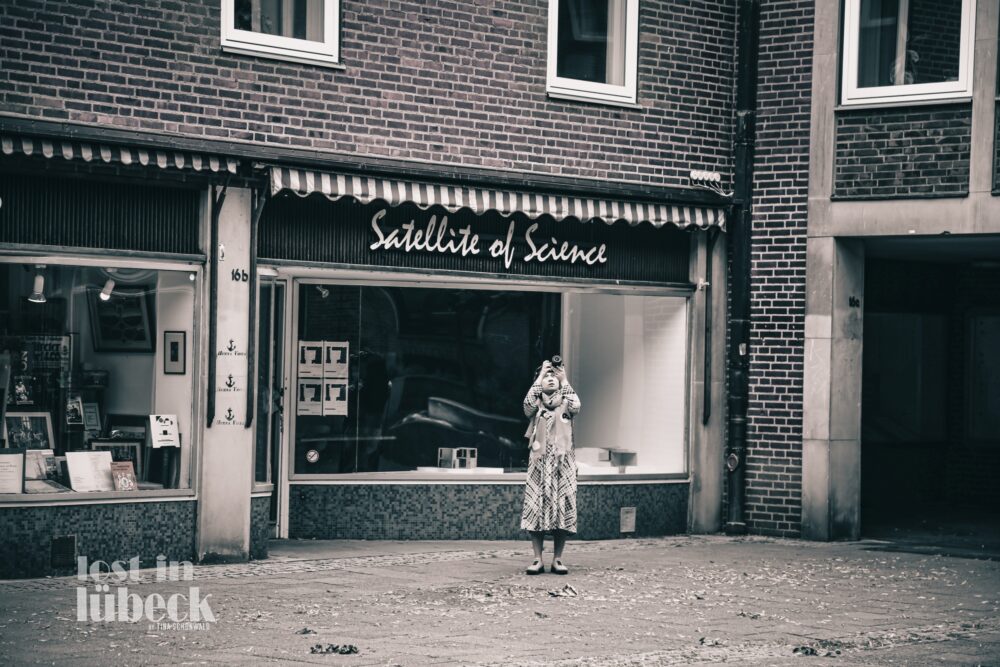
pixel 412 110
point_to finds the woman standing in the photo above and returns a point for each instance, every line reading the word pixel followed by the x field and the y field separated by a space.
pixel 550 492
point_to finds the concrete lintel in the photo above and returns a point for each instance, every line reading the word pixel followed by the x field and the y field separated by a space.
pixel 975 214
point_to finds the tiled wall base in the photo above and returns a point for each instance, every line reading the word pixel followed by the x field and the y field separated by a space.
pixel 472 511
pixel 260 526
pixel 108 532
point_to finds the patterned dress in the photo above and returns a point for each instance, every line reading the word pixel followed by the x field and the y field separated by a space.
pixel 550 491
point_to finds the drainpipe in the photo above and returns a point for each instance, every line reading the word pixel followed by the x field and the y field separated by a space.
pixel 738 357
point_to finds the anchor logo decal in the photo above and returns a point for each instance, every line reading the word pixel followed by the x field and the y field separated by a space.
pixel 230 415
pixel 229 382
pixel 232 346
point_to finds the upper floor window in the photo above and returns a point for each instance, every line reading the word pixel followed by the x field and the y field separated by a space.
pixel 907 50
pixel 593 49
pixel 299 30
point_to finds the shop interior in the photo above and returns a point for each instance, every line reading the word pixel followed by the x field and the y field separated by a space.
pixel 97 360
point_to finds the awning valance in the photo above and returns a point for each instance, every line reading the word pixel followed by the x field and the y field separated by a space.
pixel 70 149
pixel 479 200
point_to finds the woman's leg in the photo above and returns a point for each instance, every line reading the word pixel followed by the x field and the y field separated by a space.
pixel 537 543
pixel 559 541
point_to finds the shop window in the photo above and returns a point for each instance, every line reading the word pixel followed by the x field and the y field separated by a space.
pixel 628 360
pixel 299 30
pixel 907 50
pixel 96 372
pixel 593 49
pixel 387 376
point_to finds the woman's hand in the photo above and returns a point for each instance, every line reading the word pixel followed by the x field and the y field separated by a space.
pixel 560 372
pixel 546 367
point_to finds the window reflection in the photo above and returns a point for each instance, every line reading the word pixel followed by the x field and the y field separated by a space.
pixel 427 368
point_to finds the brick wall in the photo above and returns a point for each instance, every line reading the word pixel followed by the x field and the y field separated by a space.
pixel 778 263
pixel 449 82
pixel 903 152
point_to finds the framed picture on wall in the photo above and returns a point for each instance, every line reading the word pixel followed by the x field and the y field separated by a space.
pixel 123 322
pixel 122 450
pixel 28 430
pixel 126 427
pixel 174 352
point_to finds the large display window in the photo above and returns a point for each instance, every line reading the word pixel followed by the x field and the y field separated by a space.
pixel 96 374
pixel 430 380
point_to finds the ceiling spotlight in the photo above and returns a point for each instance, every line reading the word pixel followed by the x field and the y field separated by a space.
pixel 38 287
pixel 108 287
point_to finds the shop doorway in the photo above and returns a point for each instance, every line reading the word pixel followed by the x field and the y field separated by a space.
pixel 930 423
pixel 271 382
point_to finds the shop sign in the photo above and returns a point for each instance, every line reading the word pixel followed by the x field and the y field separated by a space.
pixel 437 236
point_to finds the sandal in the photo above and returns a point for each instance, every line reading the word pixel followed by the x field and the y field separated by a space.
pixel 535 568
pixel 558 568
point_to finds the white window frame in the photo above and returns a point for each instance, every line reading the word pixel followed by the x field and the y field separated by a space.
pixel 851 94
pixel 588 91
pixel 247 42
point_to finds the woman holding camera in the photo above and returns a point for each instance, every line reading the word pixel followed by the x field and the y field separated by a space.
pixel 550 491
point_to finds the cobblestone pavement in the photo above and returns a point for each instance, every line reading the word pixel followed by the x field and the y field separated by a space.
pixel 671 601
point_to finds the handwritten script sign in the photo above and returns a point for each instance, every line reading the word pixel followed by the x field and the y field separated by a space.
pixel 438 237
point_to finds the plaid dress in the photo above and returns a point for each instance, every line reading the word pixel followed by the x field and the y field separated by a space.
pixel 550 489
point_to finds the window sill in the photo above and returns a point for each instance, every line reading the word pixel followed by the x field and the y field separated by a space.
pixel 95 497
pixel 450 477
pixel 260 489
pixel 245 49
pixel 584 97
pixel 902 102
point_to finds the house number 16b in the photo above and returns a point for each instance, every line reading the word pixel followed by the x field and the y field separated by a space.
pixel 240 276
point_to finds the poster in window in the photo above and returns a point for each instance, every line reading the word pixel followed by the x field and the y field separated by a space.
pixel 310 396
pixel 37 463
pixel 121 450
pixel 163 431
pixel 122 323
pixel 74 410
pixel 30 430
pixel 90 471
pixel 335 359
pixel 11 471
pixel 123 476
pixel 335 398
pixel 92 417
pixel 310 359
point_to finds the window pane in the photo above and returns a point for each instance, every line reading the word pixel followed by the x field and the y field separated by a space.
pixel 627 362
pixel 591 41
pixel 426 368
pixel 265 398
pixel 906 42
pixel 91 353
pixel 301 19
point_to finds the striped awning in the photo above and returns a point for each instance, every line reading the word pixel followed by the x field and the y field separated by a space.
pixel 70 149
pixel 479 200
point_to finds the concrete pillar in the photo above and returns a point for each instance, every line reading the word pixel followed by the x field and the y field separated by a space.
pixel 226 471
pixel 831 447
pixel 708 445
